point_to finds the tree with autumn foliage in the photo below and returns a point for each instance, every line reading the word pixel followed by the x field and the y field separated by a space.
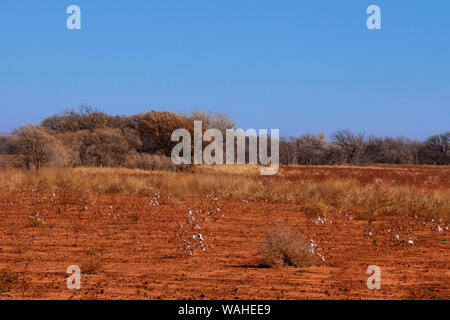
pixel 156 129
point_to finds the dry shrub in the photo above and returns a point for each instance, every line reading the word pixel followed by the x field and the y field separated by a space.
pixel 8 281
pixel 92 266
pixel 284 247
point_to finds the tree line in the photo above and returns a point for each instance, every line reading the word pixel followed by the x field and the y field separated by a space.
pixel 347 147
pixel 88 137
pixel 92 138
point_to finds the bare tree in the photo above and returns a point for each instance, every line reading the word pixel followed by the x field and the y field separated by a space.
pixel 199 115
pixel 439 146
pixel 216 120
pixel 352 144
pixel 288 150
pixel 103 148
pixel 38 147
pixel 4 145
pixel 222 122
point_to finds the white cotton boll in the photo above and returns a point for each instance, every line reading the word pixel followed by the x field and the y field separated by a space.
pixel 439 228
pixel 397 236
pixel 410 241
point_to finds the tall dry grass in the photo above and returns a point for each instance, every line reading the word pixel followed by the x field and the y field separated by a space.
pixel 330 194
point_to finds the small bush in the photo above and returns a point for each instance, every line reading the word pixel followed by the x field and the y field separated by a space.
pixel 286 248
pixel 8 281
pixel 91 266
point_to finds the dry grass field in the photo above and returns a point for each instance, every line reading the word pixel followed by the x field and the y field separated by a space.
pixel 225 232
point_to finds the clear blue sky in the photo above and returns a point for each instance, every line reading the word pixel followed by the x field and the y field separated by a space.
pixel 300 66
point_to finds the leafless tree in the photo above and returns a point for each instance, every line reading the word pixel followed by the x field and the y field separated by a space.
pixel 352 144
pixel 39 148
pixel 439 146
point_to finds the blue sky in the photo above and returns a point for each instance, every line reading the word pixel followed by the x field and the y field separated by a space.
pixel 300 66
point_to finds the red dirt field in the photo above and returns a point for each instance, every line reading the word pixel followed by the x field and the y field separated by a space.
pixel 131 247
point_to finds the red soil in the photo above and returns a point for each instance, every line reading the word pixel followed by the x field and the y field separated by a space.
pixel 136 251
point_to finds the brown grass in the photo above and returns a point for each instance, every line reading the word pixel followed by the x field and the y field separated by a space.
pixel 315 190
